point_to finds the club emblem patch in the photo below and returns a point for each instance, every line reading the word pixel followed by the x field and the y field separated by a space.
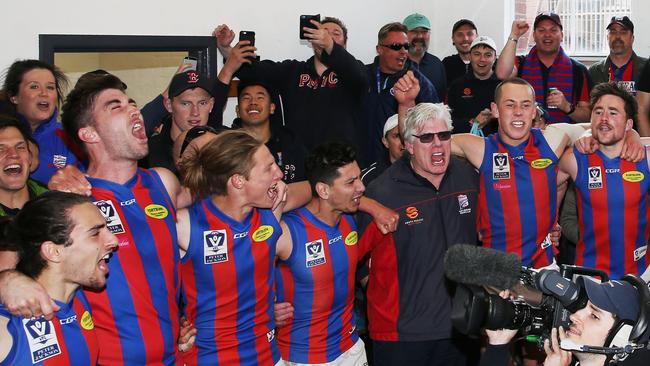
pixel 314 253
pixel 500 166
pixel 215 246
pixel 113 221
pixel 595 180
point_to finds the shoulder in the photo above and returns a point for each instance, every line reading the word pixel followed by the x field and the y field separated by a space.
pixel 598 64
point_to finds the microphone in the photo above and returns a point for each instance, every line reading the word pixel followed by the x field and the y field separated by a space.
pixel 473 265
pixel 569 345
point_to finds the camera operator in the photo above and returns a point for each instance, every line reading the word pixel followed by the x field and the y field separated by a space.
pixel 611 306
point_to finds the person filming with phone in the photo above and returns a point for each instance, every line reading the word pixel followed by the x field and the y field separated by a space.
pixel 321 96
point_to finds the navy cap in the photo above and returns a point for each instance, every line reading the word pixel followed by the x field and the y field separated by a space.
pixel 547 15
pixel 618 297
pixel 188 80
pixel 624 21
pixel 461 23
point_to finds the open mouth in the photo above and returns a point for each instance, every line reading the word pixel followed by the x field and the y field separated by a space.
pixel 138 130
pixel 272 192
pixel 103 263
pixel 518 124
pixel 43 106
pixel 253 111
pixel 437 158
pixel 13 169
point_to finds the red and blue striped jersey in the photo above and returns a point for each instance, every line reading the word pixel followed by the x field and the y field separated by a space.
pixel 227 276
pixel 137 313
pixel 318 279
pixel 517 200
pixel 613 213
pixel 68 339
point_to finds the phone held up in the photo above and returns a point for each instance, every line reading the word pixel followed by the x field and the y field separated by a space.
pixel 305 22
pixel 192 61
pixel 250 37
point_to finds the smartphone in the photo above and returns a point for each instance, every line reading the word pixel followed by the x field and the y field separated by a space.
pixel 247 36
pixel 305 23
pixel 190 61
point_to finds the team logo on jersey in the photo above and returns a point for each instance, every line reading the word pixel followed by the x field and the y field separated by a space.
pixel 352 238
pixel 113 221
pixel 633 176
pixel 270 336
pixel 315 253
pixel 215 246
pixel 595 180
pixel 500 166
pixel 541 163
pixel 546 242
pixel 628 86
pixel 262 233
pixel 42 340
pixel 156 211
pixel 463 204
pixel 59 161
pixel 640 253
pixel 87 321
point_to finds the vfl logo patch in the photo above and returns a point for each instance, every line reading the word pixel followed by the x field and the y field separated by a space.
pixel 595 180
pixel 541 163
pixel 352 238
pixel 87 321
pixel 215 246
pixel 500 166
pixel 113 221
pixel 314 253
pixel 640 253
pixel 42 340
pixel 156 211
pixel 463 204
pixel 633 176
pixel 59 161
pixel 262 233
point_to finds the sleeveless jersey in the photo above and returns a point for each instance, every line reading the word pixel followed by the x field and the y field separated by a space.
pixel 612 200
pixel 318 278
pixel 137 313
pixel 68 339
pixel 517 198
pixel 228 285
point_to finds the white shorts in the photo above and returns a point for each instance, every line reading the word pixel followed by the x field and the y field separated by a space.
pixel 355 356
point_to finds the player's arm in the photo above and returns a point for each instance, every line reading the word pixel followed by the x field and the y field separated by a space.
pixel 468 146
pixel 183 229
pixel 173 186
pixel 6 340
pixel 22 296
pixel 643 100
pixel 284 245
pixel 562 135
pixel 568 168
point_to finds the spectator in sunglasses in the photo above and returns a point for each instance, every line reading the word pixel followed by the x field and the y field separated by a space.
pixel 390 65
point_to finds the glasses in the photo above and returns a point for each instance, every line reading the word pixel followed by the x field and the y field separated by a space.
pixel 193 133
pixel 425 138
pixel 397 46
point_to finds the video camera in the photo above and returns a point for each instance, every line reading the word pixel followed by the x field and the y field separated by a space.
pixel 546 298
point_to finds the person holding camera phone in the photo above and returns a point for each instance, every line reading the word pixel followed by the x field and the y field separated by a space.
pixel 614 318
pixel 322 95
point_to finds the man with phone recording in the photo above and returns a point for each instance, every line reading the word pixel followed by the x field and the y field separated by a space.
pixel 322 95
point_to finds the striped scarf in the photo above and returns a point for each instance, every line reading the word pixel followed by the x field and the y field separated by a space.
pixel 560 76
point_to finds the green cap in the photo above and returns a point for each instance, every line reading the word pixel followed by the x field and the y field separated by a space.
pixel 416 20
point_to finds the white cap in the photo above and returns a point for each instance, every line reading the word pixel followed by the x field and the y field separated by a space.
pixel 391 123
pixel 485 40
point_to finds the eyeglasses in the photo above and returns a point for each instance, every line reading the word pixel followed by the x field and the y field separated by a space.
pixel 193 133
pixel 426 138
pixel 396 46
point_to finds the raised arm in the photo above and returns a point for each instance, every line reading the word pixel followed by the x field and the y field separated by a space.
pixel 506 62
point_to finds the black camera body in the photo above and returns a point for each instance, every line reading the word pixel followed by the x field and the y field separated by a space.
pixel 549 299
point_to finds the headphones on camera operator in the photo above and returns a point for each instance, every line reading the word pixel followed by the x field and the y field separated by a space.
pixel 626 335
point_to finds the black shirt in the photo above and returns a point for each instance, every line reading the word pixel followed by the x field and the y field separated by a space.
pixel 455 67
pixel 467 97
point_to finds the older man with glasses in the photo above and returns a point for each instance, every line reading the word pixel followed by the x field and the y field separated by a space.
pixel 437 201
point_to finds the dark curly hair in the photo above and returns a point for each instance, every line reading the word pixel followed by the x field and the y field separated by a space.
pixel 323 163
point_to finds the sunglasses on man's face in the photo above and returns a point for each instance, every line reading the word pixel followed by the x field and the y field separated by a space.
pixel 426 138
pixel 397 46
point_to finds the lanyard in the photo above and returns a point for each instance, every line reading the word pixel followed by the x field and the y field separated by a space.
pixel 379 88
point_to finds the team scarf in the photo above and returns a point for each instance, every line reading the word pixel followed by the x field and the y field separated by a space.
pixel 560 76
